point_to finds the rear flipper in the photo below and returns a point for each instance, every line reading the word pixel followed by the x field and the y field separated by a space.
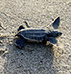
pixel 20 42
pixel 52 40
pixel 23 26
pixel 20 27
pixel 26 24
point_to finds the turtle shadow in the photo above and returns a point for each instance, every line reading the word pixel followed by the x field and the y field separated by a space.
pixel 34 58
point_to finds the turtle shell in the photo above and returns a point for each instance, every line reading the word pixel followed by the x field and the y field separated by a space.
pixel 36 35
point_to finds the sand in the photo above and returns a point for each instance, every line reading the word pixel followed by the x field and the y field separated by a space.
pixel 35 58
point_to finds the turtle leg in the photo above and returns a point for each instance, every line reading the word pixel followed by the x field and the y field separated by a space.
pixel 26 24
pixel 20 27
pixel 20 42
pixel 23 27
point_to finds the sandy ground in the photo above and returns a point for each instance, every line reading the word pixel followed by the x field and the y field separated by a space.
pixel 35 58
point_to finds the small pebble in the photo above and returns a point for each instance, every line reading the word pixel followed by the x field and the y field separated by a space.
pixel 2 35
pixel 2 50
pixel 1 41
pixel 1 25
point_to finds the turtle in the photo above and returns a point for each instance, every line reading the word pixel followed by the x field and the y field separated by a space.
pixel 39 35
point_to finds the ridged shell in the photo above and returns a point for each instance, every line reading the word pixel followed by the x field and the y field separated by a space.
pixel 33 34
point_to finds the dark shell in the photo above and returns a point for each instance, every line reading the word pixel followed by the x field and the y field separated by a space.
pixel 33 34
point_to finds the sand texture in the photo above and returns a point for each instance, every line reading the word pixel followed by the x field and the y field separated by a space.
pixel 35 58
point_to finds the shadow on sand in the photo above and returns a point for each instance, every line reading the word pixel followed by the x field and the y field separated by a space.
pixel 34 59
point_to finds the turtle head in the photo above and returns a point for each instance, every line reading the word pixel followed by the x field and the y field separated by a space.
pixel 58 34
pixel 55 34
pixel 20 27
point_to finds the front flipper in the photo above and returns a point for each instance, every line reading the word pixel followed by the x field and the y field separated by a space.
pixel 56 23
pixel 20 42
pixel 52 40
